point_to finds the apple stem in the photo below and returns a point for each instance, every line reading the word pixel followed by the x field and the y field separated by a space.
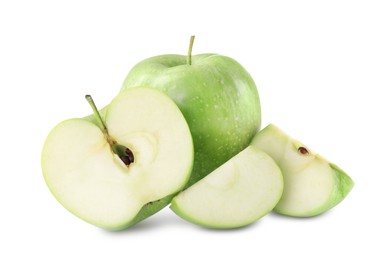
pixel 125 154
pixel 190 49
pixel 96 114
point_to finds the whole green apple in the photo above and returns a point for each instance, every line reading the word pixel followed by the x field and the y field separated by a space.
pixel 216 95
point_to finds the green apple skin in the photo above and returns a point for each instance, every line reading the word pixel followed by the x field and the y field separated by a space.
pixel 343 186
pixel 146 210
pixel 331 183
pixel 217 96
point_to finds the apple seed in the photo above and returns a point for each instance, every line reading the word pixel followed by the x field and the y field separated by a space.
pixel 303 150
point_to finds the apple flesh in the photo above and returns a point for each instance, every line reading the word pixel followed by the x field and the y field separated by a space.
pixel 216 95
pixel 87 175
pixel 239 192
pixel 312 185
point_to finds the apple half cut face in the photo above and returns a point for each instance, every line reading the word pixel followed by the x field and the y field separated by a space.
pixel 236 194
pixel 90 180
pixel 312 184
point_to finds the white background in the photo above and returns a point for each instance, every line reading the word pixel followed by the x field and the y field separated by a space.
pixel 318 66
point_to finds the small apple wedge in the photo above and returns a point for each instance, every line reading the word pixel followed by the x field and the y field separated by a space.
pixel 236 194
pixel 312 185
pixel 109 173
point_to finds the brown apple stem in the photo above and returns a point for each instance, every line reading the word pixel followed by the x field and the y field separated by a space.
pixel 189 62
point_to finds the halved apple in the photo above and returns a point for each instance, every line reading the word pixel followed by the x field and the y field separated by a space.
pixel 239 192
pixel 312 184
pixel 109 174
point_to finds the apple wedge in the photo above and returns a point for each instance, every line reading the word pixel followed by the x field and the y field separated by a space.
pixel 312 185
pixel 109 173
pixel 236 194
